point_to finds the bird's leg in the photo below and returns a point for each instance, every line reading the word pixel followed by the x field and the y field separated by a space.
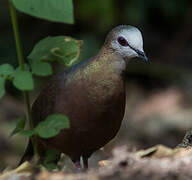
pixel 85 162
pixel 77 163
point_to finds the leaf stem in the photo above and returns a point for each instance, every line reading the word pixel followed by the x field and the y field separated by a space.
pixel 21 64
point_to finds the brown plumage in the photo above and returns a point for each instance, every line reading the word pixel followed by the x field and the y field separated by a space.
pixel 92 95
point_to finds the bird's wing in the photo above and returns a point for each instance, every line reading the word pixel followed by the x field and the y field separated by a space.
pixel 45 102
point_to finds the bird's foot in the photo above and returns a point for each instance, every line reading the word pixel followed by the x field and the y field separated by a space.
pixel 78 166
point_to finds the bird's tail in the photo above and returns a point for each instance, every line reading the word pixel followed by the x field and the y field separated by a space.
pixel 28 153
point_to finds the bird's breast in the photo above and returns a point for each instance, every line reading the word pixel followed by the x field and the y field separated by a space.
pixel 102 86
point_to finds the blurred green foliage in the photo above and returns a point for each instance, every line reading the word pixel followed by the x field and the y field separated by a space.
pixel 63 49
pixel 100 13
pixel 140 12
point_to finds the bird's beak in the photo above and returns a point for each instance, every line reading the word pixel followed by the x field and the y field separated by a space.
pixel 142 55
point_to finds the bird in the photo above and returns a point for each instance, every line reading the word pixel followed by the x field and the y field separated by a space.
pixel 92 95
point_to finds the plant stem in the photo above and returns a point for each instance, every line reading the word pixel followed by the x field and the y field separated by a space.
pixel 16 35
pixel 21 64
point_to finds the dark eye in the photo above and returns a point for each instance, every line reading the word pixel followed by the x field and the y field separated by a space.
pixel 122 41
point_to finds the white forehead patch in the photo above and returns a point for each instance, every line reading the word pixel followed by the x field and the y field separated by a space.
pixel 133 37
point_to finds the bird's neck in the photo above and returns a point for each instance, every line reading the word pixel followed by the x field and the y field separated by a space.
pixel 108 61
pixel 105 68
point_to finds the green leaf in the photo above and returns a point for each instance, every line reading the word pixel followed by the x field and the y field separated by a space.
pixel 50 157
pixel 6 69
pixel 2 86
pixel 50 166
pixel 19 127
pixel 52 125
pixel 41 68
pixel 63 49
pixel 23 80
pixel 27 133
pixel 53 10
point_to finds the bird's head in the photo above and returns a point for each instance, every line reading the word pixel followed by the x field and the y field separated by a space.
pixel 127 42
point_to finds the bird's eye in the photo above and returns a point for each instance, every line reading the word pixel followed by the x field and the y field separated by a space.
pixel 122 41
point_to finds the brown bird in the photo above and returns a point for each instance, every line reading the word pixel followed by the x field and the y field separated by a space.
pixel 92 95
